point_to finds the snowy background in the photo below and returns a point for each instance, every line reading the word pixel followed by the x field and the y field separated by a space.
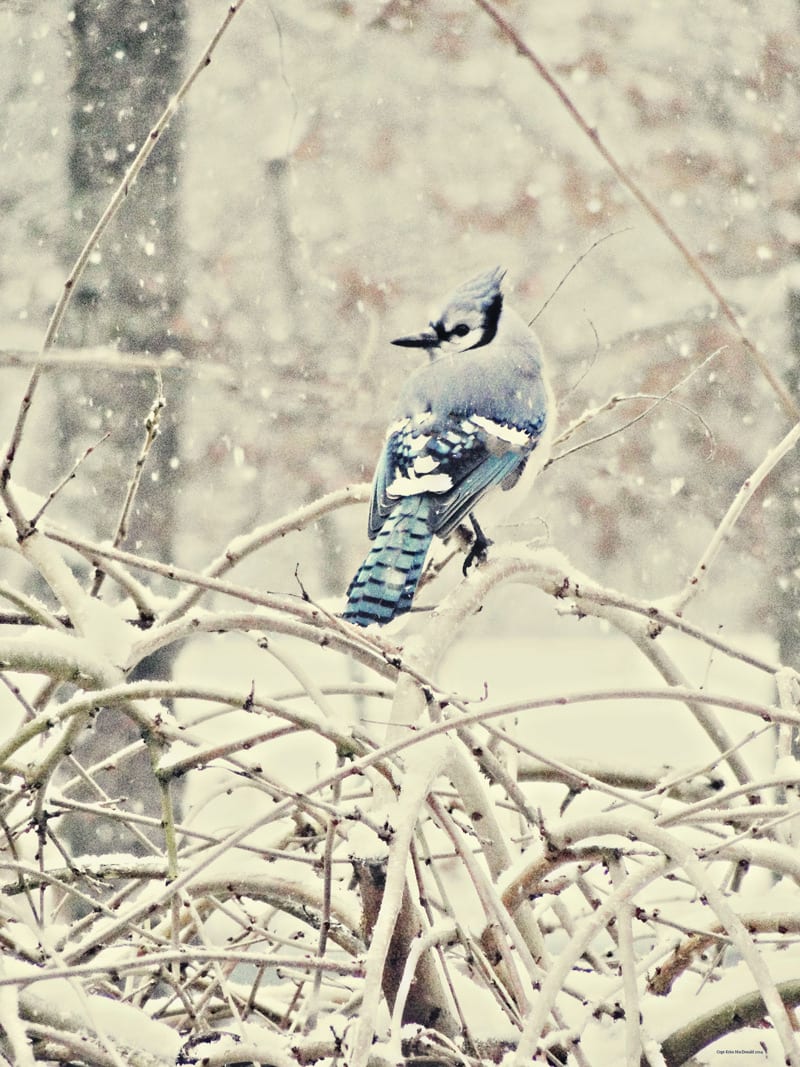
pixel 335 170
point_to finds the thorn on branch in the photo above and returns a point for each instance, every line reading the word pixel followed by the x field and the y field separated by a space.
pixel 297 578
pixel 562 590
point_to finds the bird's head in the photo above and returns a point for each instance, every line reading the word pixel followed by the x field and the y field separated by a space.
pixel 469 319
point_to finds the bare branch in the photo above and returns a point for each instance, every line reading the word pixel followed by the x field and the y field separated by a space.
pixel 67 478
pixel 152 428
pixel 748 488
pixel 574 266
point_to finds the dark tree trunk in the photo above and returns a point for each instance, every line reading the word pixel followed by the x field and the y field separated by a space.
pixel 128 58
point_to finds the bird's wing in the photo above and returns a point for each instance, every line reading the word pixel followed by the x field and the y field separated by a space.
pixel 454 458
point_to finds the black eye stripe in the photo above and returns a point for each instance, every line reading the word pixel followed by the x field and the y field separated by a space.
pixel 461 329
pixel 491 319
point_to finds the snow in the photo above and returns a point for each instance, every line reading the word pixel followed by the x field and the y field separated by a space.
pixel 66 656
pixel 123 1023
pixel 341 164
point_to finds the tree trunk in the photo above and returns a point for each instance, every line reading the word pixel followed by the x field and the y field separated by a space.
pixel 128 57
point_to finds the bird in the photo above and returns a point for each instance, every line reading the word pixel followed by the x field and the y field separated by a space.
pixel 468 421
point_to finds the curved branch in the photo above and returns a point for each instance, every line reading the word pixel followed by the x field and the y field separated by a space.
pixel 675 853
pixel 731 517
pixel 735 1015
pixel 665 975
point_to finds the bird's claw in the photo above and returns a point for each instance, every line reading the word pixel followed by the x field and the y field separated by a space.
pixel 478 549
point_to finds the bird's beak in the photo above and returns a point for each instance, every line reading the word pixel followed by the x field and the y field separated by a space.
pixel 426 339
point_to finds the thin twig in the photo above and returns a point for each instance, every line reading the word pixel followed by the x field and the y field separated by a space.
pixel 609 405
pixel 106 802
pixel 425 905
pixel 244 545
pixel 586 367
pixel 576 264
pixel 67 478
pixel 188 954
pixel 397 910
pixel 731 517
pixel 104 356
pixel 325 918
pixel 152 428
pixel 617 398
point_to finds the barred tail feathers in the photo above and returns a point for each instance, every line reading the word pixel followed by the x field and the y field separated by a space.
pixel 385 584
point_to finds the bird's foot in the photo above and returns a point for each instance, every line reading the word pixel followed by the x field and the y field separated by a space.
pixel 479 547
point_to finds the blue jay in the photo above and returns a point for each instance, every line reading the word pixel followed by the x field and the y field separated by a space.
pixel 465 422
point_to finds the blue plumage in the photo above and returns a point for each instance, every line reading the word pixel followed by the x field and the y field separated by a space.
pixel 466 422
pixel 387 580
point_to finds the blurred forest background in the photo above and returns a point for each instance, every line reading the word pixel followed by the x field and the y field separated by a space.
pixel 341 166
pixel 336 169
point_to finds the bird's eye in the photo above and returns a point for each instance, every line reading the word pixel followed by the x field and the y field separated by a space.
pixel 461 330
